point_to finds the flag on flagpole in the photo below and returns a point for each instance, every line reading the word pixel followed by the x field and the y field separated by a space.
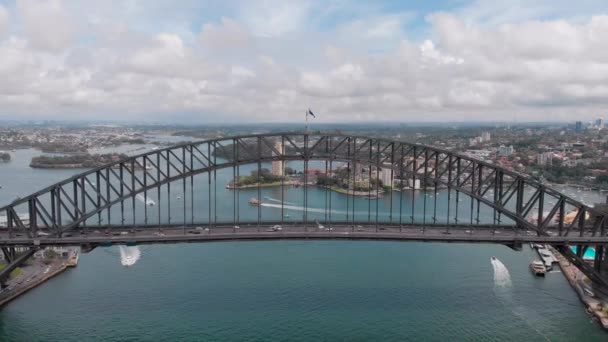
pixel 309 112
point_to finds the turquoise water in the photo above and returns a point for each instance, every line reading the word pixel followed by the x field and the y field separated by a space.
pixel 293 290
pixel 589 253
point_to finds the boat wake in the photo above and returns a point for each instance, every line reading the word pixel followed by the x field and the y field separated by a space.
pixel 129 255
pixel 278 200
pixel 299 208
pixel 502 278
pixel 146 201
pixel 503 290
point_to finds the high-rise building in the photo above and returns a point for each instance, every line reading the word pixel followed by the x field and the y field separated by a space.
pixel 578 126
pixel 599 123
pixel 486 136
pixel 278 166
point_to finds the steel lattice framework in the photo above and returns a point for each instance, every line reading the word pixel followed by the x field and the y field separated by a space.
pixel 91 199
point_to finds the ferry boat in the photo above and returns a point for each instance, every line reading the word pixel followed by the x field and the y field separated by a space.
pixel 254 201
pixel 538 268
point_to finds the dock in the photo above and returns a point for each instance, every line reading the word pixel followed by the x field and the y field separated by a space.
pixel 545 254
pixel 73 259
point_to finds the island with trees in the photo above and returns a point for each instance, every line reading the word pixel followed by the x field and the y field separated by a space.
pixel 342 182
pixel 265 179
pixel 75 161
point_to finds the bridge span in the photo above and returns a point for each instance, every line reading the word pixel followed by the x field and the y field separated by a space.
pixel 103 236
pixel 387 189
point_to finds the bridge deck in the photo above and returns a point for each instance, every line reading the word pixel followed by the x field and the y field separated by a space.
pixel 175 234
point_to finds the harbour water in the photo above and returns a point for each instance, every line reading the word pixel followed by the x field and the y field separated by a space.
pixel 292 290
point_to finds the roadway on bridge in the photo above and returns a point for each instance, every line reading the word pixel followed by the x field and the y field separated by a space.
pixel 175 234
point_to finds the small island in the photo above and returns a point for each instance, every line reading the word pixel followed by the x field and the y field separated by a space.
pixel 342 182
pixel 75 161
pixel 266 179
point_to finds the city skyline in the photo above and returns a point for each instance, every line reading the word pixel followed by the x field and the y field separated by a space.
pixel 235 62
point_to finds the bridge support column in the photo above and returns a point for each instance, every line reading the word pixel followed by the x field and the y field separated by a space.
pixel 598 277
pixel 9 254
pixel 14 263
pixel 600 262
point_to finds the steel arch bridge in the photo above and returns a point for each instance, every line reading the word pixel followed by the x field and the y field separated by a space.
pixel 501 206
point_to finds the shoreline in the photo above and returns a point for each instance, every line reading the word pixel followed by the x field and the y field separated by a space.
pixel 261 185
pixel 39 281
pixel 370 194
pixel 574 278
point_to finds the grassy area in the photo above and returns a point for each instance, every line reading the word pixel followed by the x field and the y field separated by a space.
pixel 14 273
pixel 340 190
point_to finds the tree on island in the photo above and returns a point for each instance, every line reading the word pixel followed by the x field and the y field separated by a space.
pixel 265 177
pixel 290 171
pixel 4 157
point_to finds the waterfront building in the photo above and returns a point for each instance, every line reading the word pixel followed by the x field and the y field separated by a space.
pixel 278 166
pixel 386 177
pixel 414 184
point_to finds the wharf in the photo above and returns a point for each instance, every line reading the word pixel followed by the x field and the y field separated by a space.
pixel 545 254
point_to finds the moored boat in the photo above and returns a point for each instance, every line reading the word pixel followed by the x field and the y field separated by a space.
pixel 538 268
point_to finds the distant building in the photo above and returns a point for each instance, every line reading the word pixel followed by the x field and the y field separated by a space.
pixel 278 166
pixel 578 127
pixel 599 123
pixel 545 158
pixel 475 141
pixel 505 151
pixel 414 184
pixel 486 136
pixel 386 176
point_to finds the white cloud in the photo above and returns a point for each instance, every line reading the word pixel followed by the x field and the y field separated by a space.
pixel 4 21
pixel 228 35
pixel 47 24
pixel 268 61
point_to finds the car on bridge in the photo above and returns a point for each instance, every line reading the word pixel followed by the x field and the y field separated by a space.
pixel 275 228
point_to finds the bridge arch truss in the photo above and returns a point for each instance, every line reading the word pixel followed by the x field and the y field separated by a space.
pixel 108 196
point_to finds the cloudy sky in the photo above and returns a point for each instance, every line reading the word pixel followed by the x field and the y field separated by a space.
pixel 263 61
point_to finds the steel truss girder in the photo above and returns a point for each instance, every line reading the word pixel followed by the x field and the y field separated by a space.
pixel 126 178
